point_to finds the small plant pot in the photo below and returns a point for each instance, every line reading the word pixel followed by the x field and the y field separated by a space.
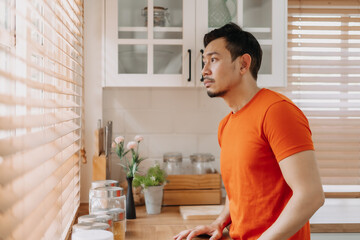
pixel 153 199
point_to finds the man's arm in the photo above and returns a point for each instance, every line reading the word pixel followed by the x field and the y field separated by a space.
pixel 301 174
pixel 215 229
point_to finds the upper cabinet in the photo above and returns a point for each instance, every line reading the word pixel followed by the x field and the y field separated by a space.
pixel 151 43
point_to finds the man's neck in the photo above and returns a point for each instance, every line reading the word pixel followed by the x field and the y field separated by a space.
pixel 241 95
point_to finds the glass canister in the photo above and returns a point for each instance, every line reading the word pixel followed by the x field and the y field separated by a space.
pixel 92 235
pixel 172 163
pixel 97 218
pixel 101 183
pixel 161 16
pixel 107 197
pixel 119 223
pixel 202 163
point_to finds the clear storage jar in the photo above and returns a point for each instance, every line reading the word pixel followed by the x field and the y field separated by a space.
pixel 107 197
pixel 202 163
pixel 101 183
pixel 97 218
pixel 161 16
pixel 172 163
pixel 119 222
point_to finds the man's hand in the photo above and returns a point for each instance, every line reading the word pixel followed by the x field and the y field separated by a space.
pixel 213 230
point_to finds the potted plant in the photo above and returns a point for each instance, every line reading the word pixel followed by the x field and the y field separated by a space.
pixel 153 184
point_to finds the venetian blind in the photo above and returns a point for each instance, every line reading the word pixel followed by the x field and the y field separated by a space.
pixel 41 81
pixel 324 81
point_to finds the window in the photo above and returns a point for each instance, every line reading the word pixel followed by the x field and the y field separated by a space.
pixel 41 88
pixel 324 81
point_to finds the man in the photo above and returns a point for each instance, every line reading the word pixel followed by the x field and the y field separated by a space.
pixel 267 155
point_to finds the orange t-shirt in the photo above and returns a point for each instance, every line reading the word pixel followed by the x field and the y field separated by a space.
pixel 253 141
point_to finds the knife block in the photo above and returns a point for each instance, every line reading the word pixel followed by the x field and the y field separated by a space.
pixel 197 189
pixel 99 159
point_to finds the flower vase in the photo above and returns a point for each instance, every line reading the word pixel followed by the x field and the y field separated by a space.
pixel 130 205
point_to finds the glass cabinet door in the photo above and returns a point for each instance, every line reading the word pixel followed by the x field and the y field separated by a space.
pixel 149 37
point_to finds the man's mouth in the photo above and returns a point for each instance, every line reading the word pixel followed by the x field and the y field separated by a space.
pixel 208 82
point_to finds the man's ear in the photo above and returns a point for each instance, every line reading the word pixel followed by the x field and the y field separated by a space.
pixel 245 62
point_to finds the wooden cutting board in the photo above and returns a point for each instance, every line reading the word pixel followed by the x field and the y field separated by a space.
pixel 204 212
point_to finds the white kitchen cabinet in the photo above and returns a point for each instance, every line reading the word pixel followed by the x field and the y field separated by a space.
pixel 150 43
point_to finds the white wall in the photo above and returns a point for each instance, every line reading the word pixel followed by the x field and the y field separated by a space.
pixel 170 119
pixel 92 86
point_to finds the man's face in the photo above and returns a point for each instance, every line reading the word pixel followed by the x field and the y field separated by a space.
pixel 220 73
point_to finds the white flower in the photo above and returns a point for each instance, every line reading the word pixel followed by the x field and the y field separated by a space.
pixel 153 178
pixel 119 139
pixel 138 138
pixel 113 145
pixel 131 145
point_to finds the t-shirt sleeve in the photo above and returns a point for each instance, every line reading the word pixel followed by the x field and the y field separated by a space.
pixel 287 130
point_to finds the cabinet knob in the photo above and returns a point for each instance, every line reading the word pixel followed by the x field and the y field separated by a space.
pixel 189 51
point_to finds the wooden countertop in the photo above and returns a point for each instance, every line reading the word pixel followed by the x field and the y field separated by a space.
pixel 337 215
pixel 161 226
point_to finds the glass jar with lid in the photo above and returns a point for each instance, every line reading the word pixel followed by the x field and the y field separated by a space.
pixel 173 163
pixel 119 228
pixel 107 197
pixel 202 163
pixel 97 218
pixel 101 183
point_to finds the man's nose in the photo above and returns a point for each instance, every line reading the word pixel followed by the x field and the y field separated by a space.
pixel 205 71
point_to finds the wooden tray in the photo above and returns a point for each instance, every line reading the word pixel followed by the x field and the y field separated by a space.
pixel 193 189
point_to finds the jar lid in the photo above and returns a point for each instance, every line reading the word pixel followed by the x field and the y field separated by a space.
pixel 117 214
pixel 96 218
pixel 202 157
pixel 90 225
pixel 172 157
pixel 104 183
pixel 108 192
pixel 92 235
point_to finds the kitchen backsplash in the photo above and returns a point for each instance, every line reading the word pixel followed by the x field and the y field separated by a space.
pixel 170 119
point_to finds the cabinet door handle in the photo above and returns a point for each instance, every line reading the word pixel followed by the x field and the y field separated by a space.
pixel 202 65
pixel 189 51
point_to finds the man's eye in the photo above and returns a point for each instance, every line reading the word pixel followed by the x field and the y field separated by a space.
pixel 213 59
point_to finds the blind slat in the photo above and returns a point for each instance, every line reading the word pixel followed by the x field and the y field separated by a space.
pixel 19 165
pixel 323 3
pixel 30 121
pixel 33 140
pixel 32 102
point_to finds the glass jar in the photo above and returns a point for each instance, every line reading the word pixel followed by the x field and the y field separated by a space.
pixel 90 226
pixel 92 235
pixel 101 183
pixel 172 163
pixel 107 197
pixel 97 218
pixel 161 16
pixel 202 163
pixel 119 222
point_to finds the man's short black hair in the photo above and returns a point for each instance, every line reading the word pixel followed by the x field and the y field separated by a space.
pixel 238 42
